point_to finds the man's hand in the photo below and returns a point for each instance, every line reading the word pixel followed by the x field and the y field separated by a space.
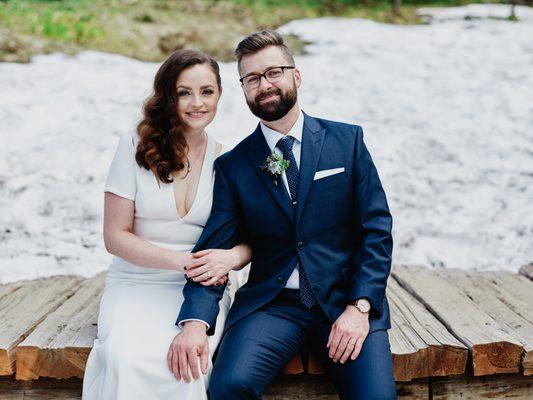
pixel 347 335
pixel 212 266
pixel 187 347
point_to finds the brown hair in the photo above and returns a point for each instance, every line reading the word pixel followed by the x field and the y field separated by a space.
pixel 260 40
pixel 162 148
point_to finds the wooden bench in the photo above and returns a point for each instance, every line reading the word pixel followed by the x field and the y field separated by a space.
pixel 455 334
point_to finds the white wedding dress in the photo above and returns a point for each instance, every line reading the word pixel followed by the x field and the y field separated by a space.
pixel 140 305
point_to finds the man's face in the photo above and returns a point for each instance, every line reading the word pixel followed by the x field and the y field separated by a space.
pixel 270 101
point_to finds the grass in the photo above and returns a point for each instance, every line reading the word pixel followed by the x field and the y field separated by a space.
pixel 149 30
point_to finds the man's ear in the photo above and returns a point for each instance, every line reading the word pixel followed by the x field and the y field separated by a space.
pixel 297 77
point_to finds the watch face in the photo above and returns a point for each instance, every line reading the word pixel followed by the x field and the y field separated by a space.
pixel 363 305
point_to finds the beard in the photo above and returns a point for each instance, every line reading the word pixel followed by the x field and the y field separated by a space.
pixel 273 110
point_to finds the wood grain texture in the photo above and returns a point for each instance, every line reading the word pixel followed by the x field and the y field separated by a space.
pixel 60 345
pixel 515 387
pixel 494 349
pixel 22 309
pixel 507 298
pixel 421 345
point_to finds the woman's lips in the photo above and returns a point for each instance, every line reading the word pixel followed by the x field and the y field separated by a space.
pixel 196 114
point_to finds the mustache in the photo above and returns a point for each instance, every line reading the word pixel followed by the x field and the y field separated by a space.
pixel 264 95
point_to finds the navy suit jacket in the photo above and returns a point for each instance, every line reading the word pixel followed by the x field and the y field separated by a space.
pixel 339 231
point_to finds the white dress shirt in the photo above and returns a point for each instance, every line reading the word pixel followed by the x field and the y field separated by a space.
pixel 272 137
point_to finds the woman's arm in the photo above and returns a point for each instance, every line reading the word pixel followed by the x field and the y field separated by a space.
pixel 120 240
pixel 212 264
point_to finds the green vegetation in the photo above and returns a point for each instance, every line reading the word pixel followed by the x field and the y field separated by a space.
pixel 148 30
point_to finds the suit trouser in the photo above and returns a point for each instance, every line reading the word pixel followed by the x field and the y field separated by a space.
pixel 254 350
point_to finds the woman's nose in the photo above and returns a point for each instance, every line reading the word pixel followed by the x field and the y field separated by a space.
pixel 197 101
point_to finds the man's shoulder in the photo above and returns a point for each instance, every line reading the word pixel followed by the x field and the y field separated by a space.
pixel 337 127
pixel 235 154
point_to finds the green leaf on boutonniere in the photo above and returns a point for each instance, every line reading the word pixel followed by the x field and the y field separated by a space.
pixel 274 166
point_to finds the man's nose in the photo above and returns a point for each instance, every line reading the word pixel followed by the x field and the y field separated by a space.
pixel 264 84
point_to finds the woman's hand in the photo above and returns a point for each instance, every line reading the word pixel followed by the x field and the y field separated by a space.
pixel 212 266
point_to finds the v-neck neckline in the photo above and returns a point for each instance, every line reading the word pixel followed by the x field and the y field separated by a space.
pixel 198 186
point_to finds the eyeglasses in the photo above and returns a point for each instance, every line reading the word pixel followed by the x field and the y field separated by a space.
pixel 272 75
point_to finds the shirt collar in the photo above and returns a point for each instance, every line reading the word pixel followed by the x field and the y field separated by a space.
pixel 272 137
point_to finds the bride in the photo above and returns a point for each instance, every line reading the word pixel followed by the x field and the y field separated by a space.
pixel 158 197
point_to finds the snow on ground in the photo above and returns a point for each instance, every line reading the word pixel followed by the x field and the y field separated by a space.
pixel 447 110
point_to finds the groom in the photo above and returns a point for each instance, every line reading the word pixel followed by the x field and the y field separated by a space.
pixel 305 194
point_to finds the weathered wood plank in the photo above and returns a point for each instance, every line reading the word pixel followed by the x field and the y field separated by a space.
pixel 421 345
pixel 9 288
pixel 24 308
pixel 493 349
pixel 501 386
pixel 314 387
pixel 295 366
pixel 41 389
pixel 527 271
pixel 507 298
pixel 301 387
pixel 59 346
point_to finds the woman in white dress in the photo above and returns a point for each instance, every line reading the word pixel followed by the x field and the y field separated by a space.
pixel 158 197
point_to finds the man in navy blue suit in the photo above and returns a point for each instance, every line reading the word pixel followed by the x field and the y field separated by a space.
pixel 306 196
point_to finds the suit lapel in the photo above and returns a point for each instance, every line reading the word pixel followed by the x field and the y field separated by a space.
pixel 257 151
pixel 312 141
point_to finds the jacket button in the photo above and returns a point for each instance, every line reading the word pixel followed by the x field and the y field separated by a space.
pixel 280 279
pixel 300 245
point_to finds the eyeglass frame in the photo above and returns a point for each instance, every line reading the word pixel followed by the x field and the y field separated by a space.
pixel 263 75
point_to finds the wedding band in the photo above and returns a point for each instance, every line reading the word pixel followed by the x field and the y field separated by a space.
pixel 352 343
pixel 208 273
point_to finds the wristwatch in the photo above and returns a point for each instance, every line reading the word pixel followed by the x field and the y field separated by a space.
pixel 363 305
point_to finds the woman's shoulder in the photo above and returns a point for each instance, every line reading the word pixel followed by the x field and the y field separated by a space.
pixel 129 140
pixel 220 148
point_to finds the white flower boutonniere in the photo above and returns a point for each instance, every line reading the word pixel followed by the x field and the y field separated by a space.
pixel 274 166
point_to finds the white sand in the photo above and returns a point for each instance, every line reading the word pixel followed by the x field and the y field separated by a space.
pixel 447 110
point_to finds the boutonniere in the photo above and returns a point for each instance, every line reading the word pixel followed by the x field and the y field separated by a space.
pixel 274 166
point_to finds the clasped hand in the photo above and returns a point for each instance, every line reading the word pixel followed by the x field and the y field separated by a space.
pixel 347 335
pixel 211 266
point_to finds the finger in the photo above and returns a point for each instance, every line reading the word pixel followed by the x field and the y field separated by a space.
pixel 193 363
pixel 197 263
pixel 335 341
pixel 197 271
pixel 358 347
pixel 175 364
pixel 341 348
pixel 203 277
pixel 204 358
pixel 184 366
pixel 201 253
pixel 348 351
pixel 210 282
pixel 169 359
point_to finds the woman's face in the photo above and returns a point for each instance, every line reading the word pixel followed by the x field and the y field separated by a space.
pixel 198 96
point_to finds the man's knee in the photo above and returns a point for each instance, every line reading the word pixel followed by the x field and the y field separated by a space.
pixel 231 383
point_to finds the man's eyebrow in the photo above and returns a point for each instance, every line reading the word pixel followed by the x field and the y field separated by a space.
pixel 259 73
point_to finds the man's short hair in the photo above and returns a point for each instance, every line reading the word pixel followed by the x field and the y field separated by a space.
pixel 260 40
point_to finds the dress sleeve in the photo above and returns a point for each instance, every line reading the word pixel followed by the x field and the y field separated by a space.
pixel 121 176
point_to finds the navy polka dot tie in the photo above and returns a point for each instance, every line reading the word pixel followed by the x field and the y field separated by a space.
pixel 292 174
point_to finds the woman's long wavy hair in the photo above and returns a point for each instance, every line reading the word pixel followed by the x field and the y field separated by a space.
pixel 162 147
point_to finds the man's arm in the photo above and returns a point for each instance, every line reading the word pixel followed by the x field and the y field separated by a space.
pixel 221 231
pixel 373 258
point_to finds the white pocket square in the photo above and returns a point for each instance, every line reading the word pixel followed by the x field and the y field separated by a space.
pixel 327 172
